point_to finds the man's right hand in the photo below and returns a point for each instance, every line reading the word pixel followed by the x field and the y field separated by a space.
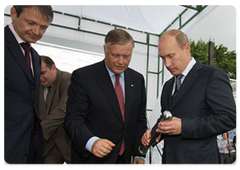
pixel 146 138
pixel 102 147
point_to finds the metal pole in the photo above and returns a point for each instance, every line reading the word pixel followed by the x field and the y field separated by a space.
pixel 210 53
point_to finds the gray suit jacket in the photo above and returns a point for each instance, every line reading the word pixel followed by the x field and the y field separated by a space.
pixel 206 107
pixel 52 114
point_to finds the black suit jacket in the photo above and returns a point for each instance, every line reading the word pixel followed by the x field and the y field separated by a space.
pixel 21 100
pixel 93 110
pixel 206 107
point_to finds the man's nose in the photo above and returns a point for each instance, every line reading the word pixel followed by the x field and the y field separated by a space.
pixel 167 62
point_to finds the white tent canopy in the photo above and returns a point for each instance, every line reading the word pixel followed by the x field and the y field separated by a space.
pixel 153 19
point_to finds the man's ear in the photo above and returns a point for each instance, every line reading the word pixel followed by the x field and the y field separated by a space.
pixel 13 13
pixel 105 50
pixel 187 48
pixel 54 67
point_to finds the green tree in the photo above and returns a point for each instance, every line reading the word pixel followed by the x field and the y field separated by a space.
pixel 224 59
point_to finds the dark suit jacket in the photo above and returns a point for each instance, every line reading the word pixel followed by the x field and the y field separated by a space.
pixel 206 107
pixel 93 110
pixel 21 92
pixel 52 114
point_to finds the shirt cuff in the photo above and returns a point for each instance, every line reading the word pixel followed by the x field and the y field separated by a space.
pixel 139 157
pixel 90 143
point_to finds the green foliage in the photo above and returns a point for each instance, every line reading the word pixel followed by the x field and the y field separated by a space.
pixel 224 59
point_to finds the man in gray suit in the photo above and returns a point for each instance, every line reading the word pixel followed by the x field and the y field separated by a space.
pixel 52 109
pixel 200 100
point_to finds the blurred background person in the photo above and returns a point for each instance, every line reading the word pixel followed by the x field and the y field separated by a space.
pixel 52 109
pixel 22 68
pixel 224 147
pixel 234 150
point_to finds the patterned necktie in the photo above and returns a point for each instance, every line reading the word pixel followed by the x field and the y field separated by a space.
pixel 26 47
pixel 177 86
pixel 119 92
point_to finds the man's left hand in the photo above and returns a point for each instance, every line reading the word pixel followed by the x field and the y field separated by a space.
pixel 170 127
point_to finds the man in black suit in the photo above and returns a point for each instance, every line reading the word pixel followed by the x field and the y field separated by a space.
pixel 22 131
pixel 202 105
pixel 102 127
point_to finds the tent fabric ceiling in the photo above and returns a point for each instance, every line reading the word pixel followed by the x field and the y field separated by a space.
pixel 152 19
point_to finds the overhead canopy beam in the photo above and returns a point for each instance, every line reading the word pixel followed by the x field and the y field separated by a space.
pixel 198 8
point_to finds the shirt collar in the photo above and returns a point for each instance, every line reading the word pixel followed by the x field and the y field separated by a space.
pixel 189 67
pixel 19 40
pixel 112 73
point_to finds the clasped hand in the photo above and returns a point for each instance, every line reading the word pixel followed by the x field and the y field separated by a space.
pixel 170 127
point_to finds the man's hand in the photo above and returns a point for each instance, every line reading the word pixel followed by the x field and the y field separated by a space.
pixel 102 147
pixel 138 161
pixel 146 138
pixel 228 146
pixel 170 127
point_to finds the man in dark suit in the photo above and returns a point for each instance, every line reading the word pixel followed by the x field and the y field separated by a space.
pixel 52 109
pixel 200 100
pixel 104 123
pixel 22 130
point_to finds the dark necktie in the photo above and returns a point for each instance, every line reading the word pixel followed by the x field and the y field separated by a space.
pixel 49 89
pixel 119 92
pixel 177 86
pixel 26 47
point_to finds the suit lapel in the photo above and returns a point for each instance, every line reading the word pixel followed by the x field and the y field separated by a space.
pixel 169 90
pixel 42 104
pixel 106 85
pixel 36 65
pixel 16 51
pixel 49 98
pixel 52 92
pixel 191 77
pixel 129 94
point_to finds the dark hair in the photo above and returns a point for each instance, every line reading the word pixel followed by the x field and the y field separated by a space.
pixel 226 133
pixel 46 10
pixel 118 36
pixel 49 62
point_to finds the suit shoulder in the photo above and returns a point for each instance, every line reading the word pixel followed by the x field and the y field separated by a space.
pixel 134 72
pixel 213 70
pixel 64 74
pixel 89 67
pixel 5 29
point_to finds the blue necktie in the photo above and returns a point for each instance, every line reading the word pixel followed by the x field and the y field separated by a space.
pixel 177 86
